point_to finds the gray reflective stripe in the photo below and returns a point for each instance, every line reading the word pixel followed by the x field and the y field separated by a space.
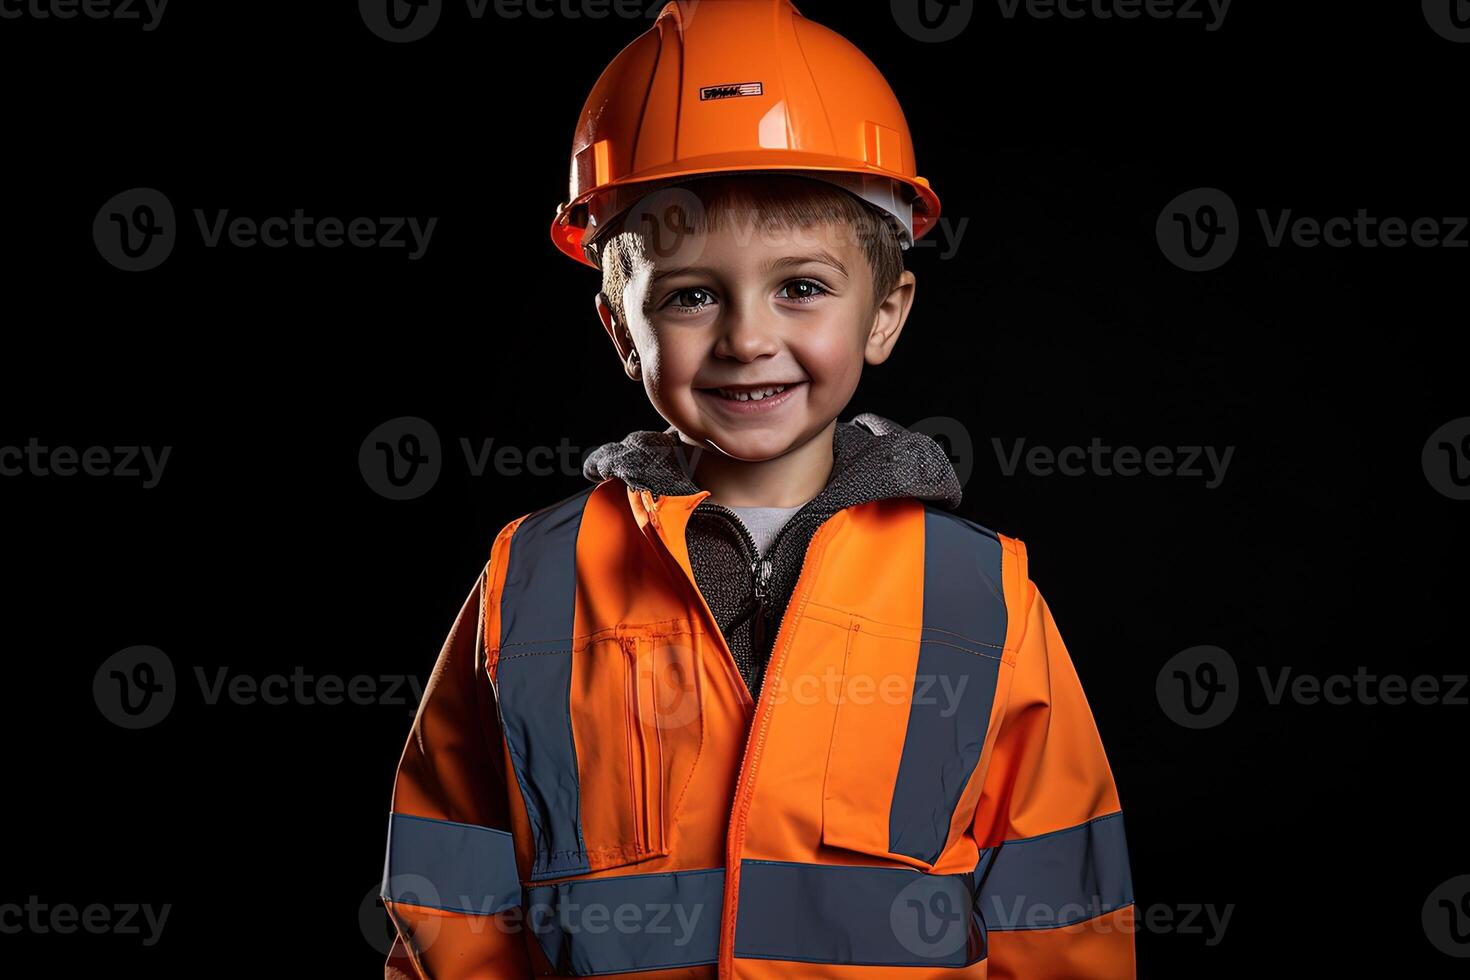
pixel 441 864
pixel 822 913
pixel 629 922
pixel 1056 879
pixel 810 913
pixel 960 646
pixel 534 680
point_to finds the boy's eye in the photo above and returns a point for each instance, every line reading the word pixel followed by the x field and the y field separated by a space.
pixel 692 297
pixel 803 289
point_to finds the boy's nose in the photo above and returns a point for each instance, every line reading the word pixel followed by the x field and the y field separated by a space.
pixel 745 334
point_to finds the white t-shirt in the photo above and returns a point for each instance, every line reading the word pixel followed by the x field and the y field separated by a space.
pixel 764 522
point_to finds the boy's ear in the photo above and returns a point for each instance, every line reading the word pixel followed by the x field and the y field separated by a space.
pixel 609 322
pixel 620 338
pixel 889 318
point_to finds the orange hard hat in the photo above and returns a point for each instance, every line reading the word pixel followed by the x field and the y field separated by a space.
pixel 729 86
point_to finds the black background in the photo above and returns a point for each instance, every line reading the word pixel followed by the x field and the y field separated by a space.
pixel 1323 828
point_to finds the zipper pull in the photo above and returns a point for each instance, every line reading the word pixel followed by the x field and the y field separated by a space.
pixel 762 571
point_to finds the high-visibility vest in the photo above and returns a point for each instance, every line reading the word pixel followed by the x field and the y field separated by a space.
pixel 919 791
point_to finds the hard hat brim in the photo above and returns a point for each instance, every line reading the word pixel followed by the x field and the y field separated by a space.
pixel 569 235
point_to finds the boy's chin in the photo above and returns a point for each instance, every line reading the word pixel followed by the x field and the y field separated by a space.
pixel 752 447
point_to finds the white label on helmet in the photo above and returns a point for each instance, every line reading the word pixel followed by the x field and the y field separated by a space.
pixel 732 91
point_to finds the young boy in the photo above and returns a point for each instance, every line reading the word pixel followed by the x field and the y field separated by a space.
pixel 756 703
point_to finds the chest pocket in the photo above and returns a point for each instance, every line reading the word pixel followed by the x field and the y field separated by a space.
pixel 910 730
pixel 604 734
pixel 917 705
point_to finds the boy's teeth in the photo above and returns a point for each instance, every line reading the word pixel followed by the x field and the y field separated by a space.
pixel 751 396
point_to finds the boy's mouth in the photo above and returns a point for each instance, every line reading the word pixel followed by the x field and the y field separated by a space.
pixel 746 401
pixel 750 393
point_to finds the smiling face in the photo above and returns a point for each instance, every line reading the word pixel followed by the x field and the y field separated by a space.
pixel 751 334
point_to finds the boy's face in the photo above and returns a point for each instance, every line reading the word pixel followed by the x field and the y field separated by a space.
pixel 720 314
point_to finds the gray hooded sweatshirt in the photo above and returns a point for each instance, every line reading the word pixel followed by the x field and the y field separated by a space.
pixel 873 458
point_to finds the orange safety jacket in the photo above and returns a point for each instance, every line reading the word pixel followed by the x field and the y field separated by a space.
pixel 919 791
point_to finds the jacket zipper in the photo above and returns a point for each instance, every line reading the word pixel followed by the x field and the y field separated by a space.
pixel 760 572
pixel 718 636
pixel 760 569
pixel 735 834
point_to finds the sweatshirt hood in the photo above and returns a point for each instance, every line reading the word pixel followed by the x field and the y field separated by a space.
pixel 873 458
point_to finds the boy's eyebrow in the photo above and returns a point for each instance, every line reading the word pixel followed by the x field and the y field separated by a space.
pixel 781 262
pixel 820 255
